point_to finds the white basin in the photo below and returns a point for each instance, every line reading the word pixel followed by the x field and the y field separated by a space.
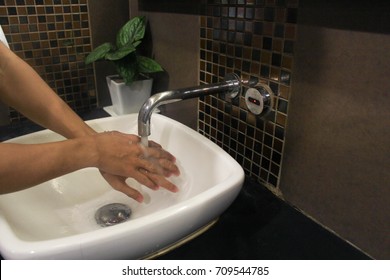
pixel 55 220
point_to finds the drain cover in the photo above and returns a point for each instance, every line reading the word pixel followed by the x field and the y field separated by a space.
pixel 112 214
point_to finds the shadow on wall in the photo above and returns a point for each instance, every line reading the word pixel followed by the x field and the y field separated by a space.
pixel 104 27
pixel 358 15
pixel 160 79
pixel 337 137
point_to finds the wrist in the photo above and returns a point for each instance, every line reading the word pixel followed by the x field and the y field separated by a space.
pixel 82 130
pixel 88 155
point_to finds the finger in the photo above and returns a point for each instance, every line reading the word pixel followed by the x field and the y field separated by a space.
pixel 157 153
pixel 169 168
pixel 154 144
pixel 118 183
pixel 150 165
pixel 164 183
pixel 142 176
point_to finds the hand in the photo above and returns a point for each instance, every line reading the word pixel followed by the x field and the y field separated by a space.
pixel 121 156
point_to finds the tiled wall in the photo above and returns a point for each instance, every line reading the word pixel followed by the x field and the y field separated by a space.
pixel 53 36
pixel 253 38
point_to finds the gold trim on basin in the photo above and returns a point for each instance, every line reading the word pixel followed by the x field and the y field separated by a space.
pixel 181 242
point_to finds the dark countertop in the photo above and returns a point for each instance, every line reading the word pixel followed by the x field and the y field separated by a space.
pixel 258 225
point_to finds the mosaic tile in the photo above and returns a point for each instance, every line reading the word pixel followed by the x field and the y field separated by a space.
pixel 53 37
pixel 251 38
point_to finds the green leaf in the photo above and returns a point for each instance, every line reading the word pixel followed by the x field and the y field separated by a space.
pixel 148 65
pixel 121 53
pixel 132 31
pixel 135 44
pixel 127 70
pixel 99 53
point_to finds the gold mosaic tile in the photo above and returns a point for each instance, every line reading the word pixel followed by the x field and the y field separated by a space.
pixel 251 38
pixel 53 37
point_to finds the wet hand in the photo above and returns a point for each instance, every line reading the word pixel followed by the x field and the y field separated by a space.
pixel 120 156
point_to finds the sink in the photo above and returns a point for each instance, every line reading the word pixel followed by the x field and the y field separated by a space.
pixel 56 219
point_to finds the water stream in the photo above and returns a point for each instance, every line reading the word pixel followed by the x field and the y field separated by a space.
pixel 145 141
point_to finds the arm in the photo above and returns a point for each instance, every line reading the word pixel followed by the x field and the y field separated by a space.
pixel 23 166
pixel 23 89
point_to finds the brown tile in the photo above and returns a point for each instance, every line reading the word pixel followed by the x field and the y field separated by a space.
pixel 277 45
pixel 29 25
pixel 263 52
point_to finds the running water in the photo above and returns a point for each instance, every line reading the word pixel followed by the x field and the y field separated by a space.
pixel 145 141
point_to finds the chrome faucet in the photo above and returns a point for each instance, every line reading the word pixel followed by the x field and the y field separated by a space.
pixel 230 88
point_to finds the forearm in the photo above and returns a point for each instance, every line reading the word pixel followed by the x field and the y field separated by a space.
pixel 23 166
pixel 23 89
pixel 117 155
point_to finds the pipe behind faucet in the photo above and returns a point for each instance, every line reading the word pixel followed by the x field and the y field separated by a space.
pixel 230 87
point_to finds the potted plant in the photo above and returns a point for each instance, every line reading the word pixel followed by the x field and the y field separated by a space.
pixel 132 86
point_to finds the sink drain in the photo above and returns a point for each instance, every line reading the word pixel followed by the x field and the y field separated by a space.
pixel 112 214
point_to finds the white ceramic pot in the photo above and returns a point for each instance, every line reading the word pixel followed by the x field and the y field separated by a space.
pixel 128 99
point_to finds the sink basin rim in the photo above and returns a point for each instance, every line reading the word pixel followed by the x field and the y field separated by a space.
pixel 78 242
pixel 26 249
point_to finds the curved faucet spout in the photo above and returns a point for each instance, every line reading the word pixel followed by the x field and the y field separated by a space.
pixel 230 87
